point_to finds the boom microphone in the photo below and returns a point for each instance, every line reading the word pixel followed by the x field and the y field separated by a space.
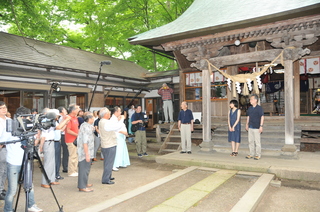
pixel 107 62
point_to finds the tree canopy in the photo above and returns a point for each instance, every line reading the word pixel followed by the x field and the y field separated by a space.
pixel 102 26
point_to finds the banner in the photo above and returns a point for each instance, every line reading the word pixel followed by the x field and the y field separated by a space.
pixel 310 66
pixel 272 87
pixel 192 79
pixel 198 78
pixel 187 79
pixel 218 77
pixel 313 66
pixel 302 65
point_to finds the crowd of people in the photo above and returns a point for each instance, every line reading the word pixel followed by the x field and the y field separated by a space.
pixel 75 136
pixel 72 142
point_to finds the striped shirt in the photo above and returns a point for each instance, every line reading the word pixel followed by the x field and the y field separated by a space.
pixel 165 93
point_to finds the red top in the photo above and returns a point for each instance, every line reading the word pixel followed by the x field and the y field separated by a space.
pixel 165 93
pixel 74 126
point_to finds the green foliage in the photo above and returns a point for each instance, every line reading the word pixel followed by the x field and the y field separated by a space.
pixel 105 24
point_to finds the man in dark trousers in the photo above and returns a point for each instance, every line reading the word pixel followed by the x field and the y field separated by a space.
pixel 254 126
pixel 108 127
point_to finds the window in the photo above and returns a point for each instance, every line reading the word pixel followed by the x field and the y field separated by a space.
pixel 193 86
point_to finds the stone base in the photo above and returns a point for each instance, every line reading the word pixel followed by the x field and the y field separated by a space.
pixel 289 151
pixel 206 146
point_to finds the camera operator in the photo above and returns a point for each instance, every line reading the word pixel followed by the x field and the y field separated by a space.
pixel 14 161
pixel 47 148
pixel 140 118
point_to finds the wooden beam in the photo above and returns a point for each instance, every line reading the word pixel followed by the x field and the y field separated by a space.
pixel 182 61
pixel 267 55
pixel 296 73
pixel 182 87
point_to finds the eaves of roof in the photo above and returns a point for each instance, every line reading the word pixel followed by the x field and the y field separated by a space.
pixel 23 51
pixel 206 17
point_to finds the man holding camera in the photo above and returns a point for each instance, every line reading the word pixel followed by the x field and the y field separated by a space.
pixel 166 93
pixel 140 118
pixel 14 161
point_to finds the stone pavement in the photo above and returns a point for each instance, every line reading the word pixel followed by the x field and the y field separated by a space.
pixel 306 167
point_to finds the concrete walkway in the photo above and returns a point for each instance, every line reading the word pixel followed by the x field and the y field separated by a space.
pixel 306 167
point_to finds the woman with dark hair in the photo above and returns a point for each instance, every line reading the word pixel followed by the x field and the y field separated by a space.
pixel 80 117
pixel 85 147
pixel 234 132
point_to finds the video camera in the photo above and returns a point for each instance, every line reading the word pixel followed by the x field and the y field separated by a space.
pixel 28 123
pixel 145 121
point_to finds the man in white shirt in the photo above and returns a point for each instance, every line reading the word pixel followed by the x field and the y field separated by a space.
pixel 14 161
pixel 3 150
pixel 108 128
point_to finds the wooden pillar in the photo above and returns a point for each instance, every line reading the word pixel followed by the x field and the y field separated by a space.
pixel 289 149
pixel 288 98
pixel 296 73
pixel 182 87
pixel 206 112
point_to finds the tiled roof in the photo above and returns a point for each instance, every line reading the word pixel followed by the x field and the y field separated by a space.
pixel 28 51
pixel 205 17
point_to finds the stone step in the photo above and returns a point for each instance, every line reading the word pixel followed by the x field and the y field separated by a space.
pixel 192 195
pixel 250 200
pixel 168 150
pixel 273 136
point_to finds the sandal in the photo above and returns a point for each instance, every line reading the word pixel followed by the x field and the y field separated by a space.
pixel 232 154
pixel 235 154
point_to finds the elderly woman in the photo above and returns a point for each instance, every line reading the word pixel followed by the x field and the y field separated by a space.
pixel 85 146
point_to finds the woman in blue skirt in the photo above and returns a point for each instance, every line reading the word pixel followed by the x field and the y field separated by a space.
pixel 234 132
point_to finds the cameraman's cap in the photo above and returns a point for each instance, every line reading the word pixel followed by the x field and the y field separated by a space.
pixel 55 111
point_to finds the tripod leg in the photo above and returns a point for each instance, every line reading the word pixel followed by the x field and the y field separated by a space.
pixel 20 179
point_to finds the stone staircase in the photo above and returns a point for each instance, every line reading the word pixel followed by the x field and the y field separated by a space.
pixel 272 138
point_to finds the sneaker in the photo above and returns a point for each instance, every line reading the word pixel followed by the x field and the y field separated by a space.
pixel 249 157
pixel 139 155
pixel 59 178
pixel 75 174
pixel 145 154
pixel 115 169
pixel 257 157
pixel 35 208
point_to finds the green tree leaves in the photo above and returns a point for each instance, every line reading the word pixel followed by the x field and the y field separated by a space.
pixel 105 25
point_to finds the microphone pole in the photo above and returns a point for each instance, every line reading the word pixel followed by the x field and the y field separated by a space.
pixel 95 86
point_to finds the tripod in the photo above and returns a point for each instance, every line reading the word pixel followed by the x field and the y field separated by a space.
pixel 26 172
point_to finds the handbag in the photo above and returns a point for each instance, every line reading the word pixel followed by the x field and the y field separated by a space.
pixel 75 142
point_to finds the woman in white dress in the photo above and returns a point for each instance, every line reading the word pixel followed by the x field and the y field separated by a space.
pixel 122 156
